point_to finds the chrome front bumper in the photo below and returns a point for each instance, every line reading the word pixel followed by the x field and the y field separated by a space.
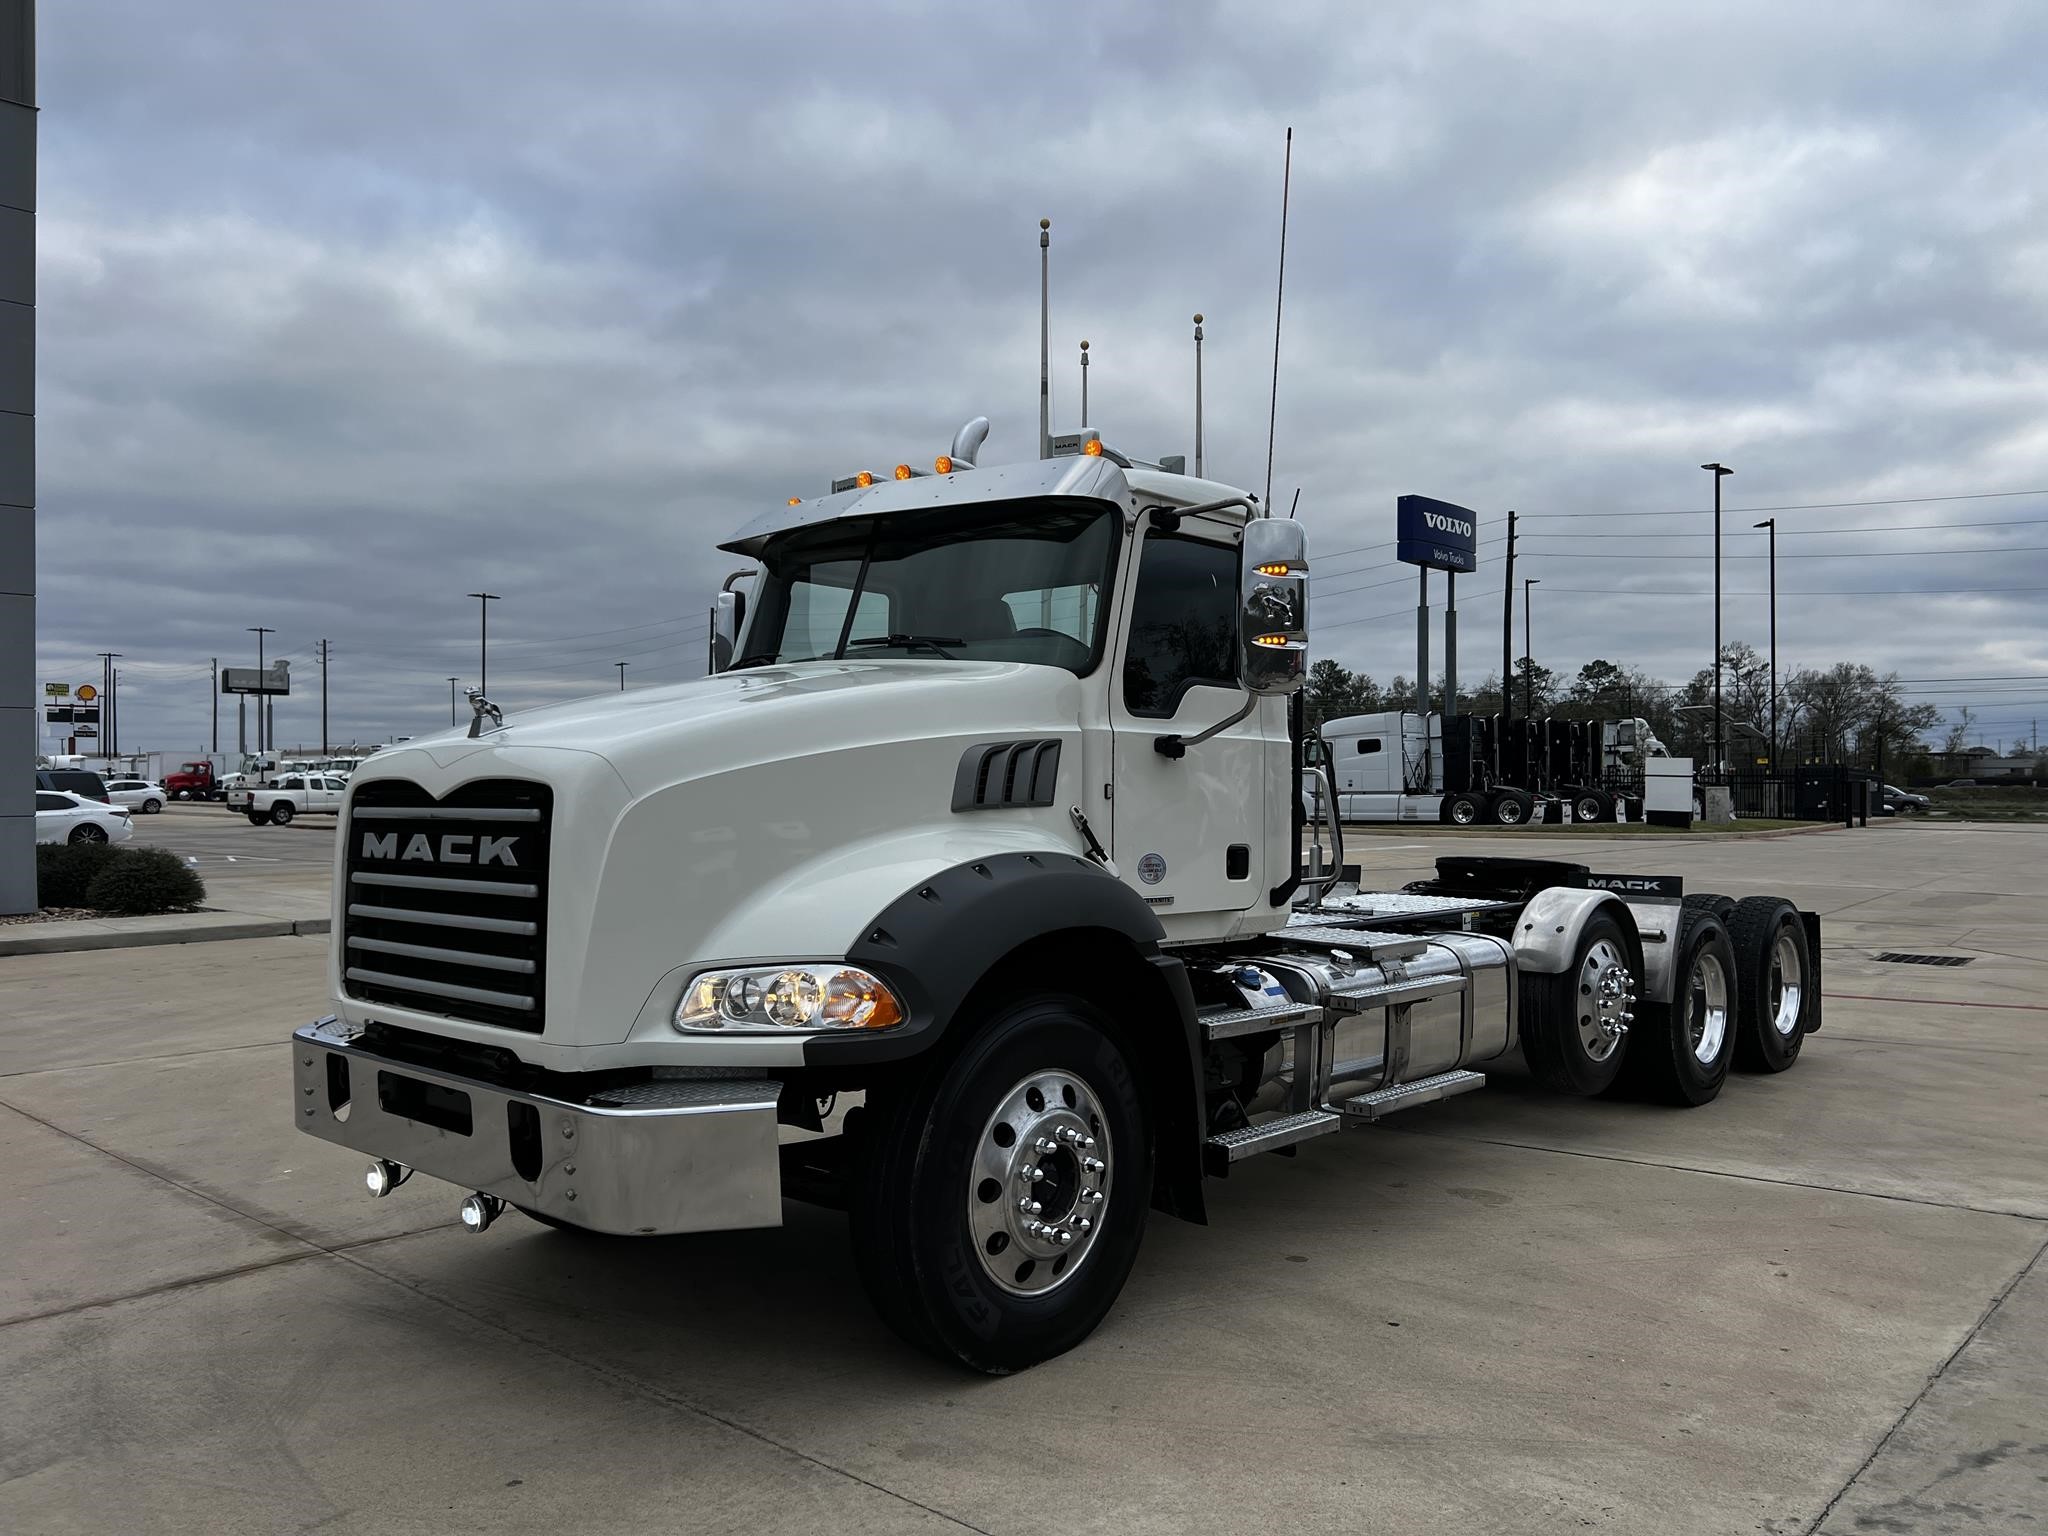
pixel 672 1155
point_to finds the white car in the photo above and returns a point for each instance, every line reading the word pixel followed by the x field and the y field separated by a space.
pixel 62 817
pixel 138 794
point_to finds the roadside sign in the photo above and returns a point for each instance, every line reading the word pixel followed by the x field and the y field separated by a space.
pixel 57 690
pixel 86 730
pixel 1436 534
pixel 276 678
pixel 87 693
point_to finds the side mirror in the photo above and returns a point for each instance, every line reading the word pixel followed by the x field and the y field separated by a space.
pixel 728 613
pixel 1273 612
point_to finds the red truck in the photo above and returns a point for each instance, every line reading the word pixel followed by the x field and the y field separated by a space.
pixel 194 781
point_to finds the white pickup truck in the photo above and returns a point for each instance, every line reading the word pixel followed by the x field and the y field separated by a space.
pixel 292 795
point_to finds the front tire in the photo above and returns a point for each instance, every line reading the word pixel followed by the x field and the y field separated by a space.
pixel 281 814
pixel 1574 1024
pixel 1774 980
pixel 1682 1050
pixel 985 1227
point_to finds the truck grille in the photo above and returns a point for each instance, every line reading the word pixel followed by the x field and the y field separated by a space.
pixel 447 900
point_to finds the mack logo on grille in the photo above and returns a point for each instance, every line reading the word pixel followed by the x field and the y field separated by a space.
pixel 448 848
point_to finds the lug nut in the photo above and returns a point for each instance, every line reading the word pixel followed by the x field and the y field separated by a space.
pixel 1085 1224
pixel 1093 1196
pixel 1046 1144
pixel 1088 1142
pixel 1029 1173
pixel 1029 1206
pixel 1093 1164
pixel 1063 1237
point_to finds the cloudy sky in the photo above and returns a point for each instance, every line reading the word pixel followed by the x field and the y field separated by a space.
pixel 349 310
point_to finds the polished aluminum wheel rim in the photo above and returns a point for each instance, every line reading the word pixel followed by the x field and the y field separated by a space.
pixel 1463 813
pixel 1607 999
pixel 1787 984
pixel 1706 1009
pixel 1039 1184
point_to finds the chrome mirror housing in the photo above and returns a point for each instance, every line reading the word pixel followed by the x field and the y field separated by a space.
pixel 1273 613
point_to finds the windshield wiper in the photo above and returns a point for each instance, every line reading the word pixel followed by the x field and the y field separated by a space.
pixel 933 643
pixel 752 661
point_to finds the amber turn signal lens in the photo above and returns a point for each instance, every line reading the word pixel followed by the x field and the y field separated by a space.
pixel 864 479
pixel 1270 640
pixel 1272 570
pixel 943 464
pixel 1093 447
pixel 902 471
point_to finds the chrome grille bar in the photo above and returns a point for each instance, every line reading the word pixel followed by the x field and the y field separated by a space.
pixel 444 919
pixel 445 883
pixel 468 957
pixel 441 813
pixel 440 988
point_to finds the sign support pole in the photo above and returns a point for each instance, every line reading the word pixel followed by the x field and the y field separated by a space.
pixel 1422 645
pixel 1451 645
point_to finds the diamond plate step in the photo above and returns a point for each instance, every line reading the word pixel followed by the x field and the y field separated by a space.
pixel 1424 1090
pixel 1230 1023
pixel 1235 1146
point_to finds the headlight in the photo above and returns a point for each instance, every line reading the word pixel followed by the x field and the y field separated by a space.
pixel 788 997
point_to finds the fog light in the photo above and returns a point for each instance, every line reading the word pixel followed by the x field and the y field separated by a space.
pixel 480 1210
pixel 383 1177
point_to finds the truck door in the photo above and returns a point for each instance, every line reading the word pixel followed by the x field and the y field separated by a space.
pixel 1188 833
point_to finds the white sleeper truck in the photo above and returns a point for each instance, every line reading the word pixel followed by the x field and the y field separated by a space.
pixel 967 894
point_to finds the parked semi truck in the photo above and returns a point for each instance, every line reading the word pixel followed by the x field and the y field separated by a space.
pixel 967 894
pixel 1470 769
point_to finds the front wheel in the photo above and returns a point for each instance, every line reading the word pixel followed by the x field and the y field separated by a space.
pixel 88 832
pixel 282 814
pixel 1000 1202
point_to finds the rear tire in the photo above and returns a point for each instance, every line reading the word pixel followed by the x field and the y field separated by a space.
pixel 1463 809
pixel 944 1247
pixel 1680 1052
pixel 1573 1024
pixel 257 818
pixel 1510 808
pixel 1591 805
pixel 87 832
pixel 1774 978
pixel 151 807
pixel 1722 907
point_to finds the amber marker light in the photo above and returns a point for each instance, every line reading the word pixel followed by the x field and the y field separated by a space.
pixel 1272 570
pixel 1093 447
pixel 943 464
pixel 864 479
pixel 796 501
pixel 902 471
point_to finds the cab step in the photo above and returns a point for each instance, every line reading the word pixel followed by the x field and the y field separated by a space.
pixel 1367 1107
pixel 1230 1023
pixel 1229 1147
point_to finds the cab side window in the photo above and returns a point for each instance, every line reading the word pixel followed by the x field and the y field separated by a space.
pixel 1183 622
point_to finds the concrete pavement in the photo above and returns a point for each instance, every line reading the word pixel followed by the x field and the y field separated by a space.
pixel 1818 1304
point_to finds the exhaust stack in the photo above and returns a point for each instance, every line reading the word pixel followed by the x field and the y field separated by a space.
pixel 968 440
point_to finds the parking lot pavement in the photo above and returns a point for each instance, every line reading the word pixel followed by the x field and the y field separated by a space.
pixel 1818 1304
pixel 274 870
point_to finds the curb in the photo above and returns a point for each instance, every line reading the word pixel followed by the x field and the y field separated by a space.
pixel 32 943
pixel 1369 829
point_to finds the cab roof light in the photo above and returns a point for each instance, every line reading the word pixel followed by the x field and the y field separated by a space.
pixel 905 472
pixel 1092 447
pixel 943 464
pixel 859 482
pixel 796 501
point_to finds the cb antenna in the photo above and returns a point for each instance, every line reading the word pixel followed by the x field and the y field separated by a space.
pixel 1198 396
pixel 1279 294
pixel 1045 338
pixel 1084 383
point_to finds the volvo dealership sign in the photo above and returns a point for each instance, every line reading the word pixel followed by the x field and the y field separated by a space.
pixel 1436 534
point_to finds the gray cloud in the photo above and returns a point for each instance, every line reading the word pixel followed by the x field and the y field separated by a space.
pixel 346 310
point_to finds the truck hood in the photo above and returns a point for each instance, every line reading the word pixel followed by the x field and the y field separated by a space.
pixel 656 736
pixel 767 814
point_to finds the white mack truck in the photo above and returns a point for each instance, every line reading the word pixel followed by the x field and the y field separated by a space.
pixel 967 893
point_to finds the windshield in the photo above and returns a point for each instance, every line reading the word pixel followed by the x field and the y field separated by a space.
pixel 1019 581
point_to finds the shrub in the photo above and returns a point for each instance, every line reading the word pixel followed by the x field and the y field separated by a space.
pixel 139 881
pixel 65 870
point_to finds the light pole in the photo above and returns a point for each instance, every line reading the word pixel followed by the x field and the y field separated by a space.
pixel 107 718
pixel 1720 472
pixel 1772 524
pixel 262 733
pixel 1528 652
pixel 452 720
pixel 622 675
pixel 483 640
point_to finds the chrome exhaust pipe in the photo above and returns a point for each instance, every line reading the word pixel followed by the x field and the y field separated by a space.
pixel 480 1210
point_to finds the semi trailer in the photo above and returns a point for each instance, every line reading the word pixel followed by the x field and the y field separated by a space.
pixel 966 894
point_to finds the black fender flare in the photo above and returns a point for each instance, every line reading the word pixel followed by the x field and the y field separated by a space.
pixel 938 941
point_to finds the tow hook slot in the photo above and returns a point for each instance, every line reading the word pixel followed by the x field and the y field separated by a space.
pixel 337 1085
pixel 522 1126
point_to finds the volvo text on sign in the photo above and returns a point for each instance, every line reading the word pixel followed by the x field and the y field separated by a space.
pixel 1437 535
